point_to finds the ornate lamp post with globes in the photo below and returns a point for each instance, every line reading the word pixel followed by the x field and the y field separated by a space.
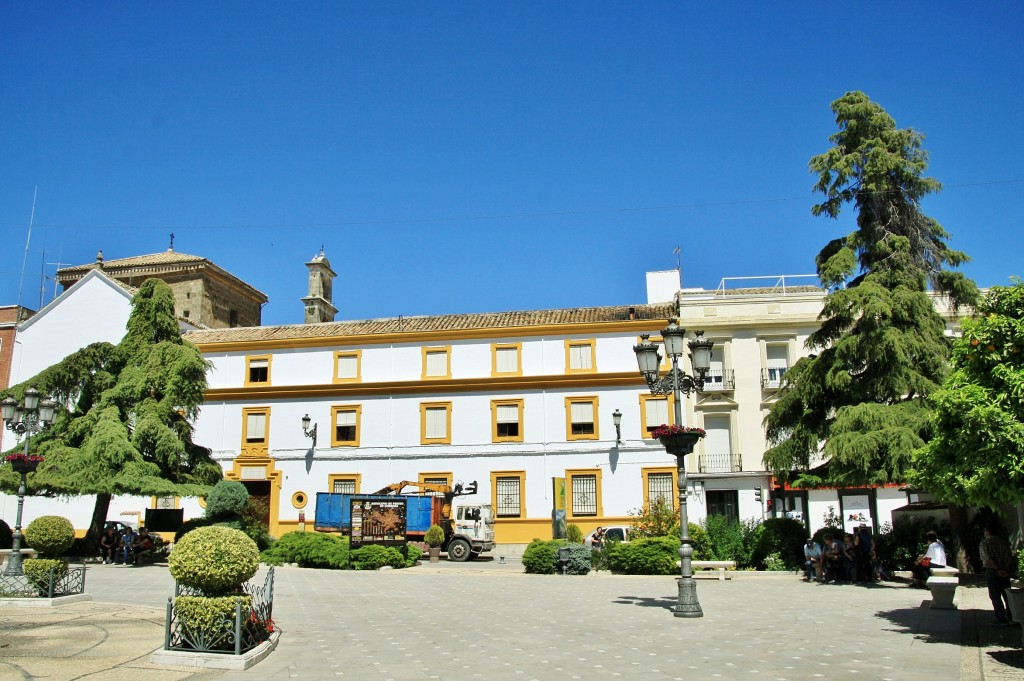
pixel 677 439
pixel 26 419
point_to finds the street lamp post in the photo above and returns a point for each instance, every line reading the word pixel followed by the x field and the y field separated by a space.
pixel 26 419
pixel 677 383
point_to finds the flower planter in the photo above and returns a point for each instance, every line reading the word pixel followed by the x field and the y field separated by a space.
pixel 680 443
pixel 22 465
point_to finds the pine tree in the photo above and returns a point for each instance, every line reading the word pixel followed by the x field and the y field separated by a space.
pixel 126 423
pixel 880 349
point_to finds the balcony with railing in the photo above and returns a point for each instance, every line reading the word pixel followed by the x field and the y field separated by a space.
pixel 719 380
pixel 719 462
pixel 771 377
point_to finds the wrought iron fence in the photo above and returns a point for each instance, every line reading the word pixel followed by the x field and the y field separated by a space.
pixel 52 584
pixel 249 625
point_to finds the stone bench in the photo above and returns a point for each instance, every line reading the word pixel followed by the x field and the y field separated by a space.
pixel 943 590
pixel 944 572
pixel 720 565
pixel 25 553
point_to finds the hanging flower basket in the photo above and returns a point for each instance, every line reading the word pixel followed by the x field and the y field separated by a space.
pixel 24 464
pixel 678 440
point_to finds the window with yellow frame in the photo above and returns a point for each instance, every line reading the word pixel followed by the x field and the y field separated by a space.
pixel 255 429
pixel 506 359
pixel 584 492
pixel 257 370
pixel 348 366
pixel 581 418
pixel 579 356
pixel 435 423
pixel 507 420
pixel 508 490
pixel 660 484
pixel 655 410
pixel 344 483
pixel 436 478
pixel 437 362
pixel 345 420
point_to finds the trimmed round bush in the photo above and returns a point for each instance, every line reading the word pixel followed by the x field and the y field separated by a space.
pixel 37 570
pixel 50 535
pixel 434 536
pixel 212 616
pixel 228 497
pixel 6 536
pixel 541 557
pixel 573 534
pixel 217 560
pixel 309 550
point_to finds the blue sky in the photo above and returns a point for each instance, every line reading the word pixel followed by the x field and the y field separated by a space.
pixel 469 157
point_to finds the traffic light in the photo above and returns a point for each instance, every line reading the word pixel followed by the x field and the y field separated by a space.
pixel 757 494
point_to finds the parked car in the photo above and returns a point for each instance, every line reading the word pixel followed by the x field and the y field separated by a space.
pixel 612 533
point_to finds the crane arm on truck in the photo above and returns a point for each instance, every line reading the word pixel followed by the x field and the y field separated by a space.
pixel 448 493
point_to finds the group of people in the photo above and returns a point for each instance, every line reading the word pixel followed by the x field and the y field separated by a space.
pixel 848 557
pixel 127 548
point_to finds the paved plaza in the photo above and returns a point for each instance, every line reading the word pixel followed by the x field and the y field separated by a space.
pixel 486 620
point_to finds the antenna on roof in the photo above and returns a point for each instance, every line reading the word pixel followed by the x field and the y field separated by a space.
pixel 172 242
pixel 28 240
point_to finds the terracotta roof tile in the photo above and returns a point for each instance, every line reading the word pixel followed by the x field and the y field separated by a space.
pixel 164 258
pixel 453 322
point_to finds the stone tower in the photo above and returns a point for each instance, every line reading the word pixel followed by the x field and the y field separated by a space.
pixel 318 301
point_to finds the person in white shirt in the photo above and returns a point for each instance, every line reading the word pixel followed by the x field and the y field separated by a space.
pixel 934 556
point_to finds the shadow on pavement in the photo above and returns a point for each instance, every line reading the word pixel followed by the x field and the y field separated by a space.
pixel 665 603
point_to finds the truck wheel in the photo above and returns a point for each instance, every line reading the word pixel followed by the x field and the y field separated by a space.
pixel 458 550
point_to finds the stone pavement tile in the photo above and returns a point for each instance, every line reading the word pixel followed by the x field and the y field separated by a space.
pixel 76 640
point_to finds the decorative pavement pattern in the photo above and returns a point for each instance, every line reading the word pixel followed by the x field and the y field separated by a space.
pixel 486 620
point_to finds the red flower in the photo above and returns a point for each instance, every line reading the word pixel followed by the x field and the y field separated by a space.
pixel 666 430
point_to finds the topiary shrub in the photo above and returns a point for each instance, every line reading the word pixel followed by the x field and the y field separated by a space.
pixel 215 560
pixel 784 537
pixel 541 557
pixel 208 614
pixel 309 550
pixel 374 557
pixel 434 536
pixel 6 536
pixel 573 534
pixel 37 571
pixel 228 497
pixel 413 554
pixel 50 535
pixel 648 556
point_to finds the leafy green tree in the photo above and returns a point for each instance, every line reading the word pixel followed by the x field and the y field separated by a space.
pixel 881 348
pixel 976 456
pixel 125 422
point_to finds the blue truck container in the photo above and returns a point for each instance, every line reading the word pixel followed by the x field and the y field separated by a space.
pixel 334 511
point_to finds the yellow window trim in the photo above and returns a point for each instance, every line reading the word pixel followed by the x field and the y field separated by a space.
pixel 569 401
pixel 358 354
pixel 250 448
pixel 569 344
pixel 647 472
pixel 495 347
pixel 447 439
pixel 358 409
pixel 518 403
pixel 447 475
pixel 522 492
pixel 447 350
pixel 248 362
pixel 572 473
pixel 644 399
pixel 356 477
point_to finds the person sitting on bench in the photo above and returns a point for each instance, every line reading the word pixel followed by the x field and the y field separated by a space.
pixel 142 546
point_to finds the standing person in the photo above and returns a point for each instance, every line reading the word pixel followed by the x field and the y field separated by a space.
pixel 998 561
pixel 934 556
pixel 598 540
pixel 109 542
pixel 812 560
pixel 849 555
pixel 865 555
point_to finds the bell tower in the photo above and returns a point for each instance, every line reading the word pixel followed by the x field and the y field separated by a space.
pixel 318 302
